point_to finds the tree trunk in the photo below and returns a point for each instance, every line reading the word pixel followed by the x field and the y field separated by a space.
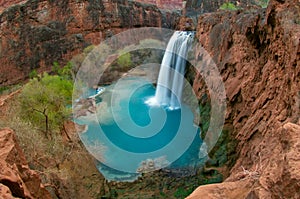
pixel 47 135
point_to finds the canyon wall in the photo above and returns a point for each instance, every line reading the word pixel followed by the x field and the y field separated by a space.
pixel 258 56
pixel 167 4
pixel 37 33
pixel 6 3
pixel 195 7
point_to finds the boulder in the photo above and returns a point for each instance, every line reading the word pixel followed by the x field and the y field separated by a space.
pixel 16 178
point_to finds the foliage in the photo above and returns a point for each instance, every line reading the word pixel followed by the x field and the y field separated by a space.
pixel 9 89
pixel 3 88
pixel 205 110
pixel 33 74
pixel 228 6
pixel 215 178
pixel 55 67
pixel 44 101
pixel 88 49
pixel 124 60
pixel 55 159
pixel 66 72
pixel 262 3
pixel 182 193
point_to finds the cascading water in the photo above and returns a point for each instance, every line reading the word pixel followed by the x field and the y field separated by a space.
pixel 171 74
pixel 129 137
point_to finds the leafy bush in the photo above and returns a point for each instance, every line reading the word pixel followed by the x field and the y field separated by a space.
pixel 66 72
pixel 44 100
pixel 33 74
pixel 125 60
pixel 228 6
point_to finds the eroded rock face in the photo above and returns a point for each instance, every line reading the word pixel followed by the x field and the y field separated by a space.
pixel 204 6
pixel 16 179
pixel 258 56
pixel 37 33
pixel 169 4
pixel 6 3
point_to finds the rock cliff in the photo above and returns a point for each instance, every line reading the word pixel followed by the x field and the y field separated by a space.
pixel 256 51
pixel 6 3
pixel 204 6
pixel 37 33
pixel 258 56
pixel 16 179
pixel 168 4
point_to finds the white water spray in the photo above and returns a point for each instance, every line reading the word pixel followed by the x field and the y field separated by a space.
pixel 171 74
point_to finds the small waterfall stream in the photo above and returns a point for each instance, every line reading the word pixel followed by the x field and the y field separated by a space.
pixel 171 74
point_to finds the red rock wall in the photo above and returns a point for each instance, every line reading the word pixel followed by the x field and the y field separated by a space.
pixel 168 4
pixel 16 179
pixel 35 34
pixel 6 3
pixel 258 56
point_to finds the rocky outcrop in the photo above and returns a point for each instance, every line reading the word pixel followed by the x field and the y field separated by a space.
pixel 6 3
pixel 16 179
pixel 258 56
pixel 37 33
pixel 204 6
pixel 276 178
pixel 167 4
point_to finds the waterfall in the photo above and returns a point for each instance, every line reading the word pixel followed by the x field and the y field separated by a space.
pixel 171 74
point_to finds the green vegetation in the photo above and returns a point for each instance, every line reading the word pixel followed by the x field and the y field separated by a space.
pixel 228 6
pixel 124 60
pixel 262 3
pixel 33 74
pixel 3 88
pixel 182 192
pixel 38 114
pixel 9 89
pixel 204 118
pixel 88 49
pixel 44 100
pixel 55 67
pixel 66 72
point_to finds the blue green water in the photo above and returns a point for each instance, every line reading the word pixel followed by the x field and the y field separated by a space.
pixel 128 131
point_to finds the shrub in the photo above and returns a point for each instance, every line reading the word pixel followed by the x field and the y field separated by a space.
pixel 66 72
pixel 228 6
pixel 124 60
pixel 33 74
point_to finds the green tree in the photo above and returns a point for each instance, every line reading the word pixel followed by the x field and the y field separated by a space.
pixel 44 102
pixel 65 72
